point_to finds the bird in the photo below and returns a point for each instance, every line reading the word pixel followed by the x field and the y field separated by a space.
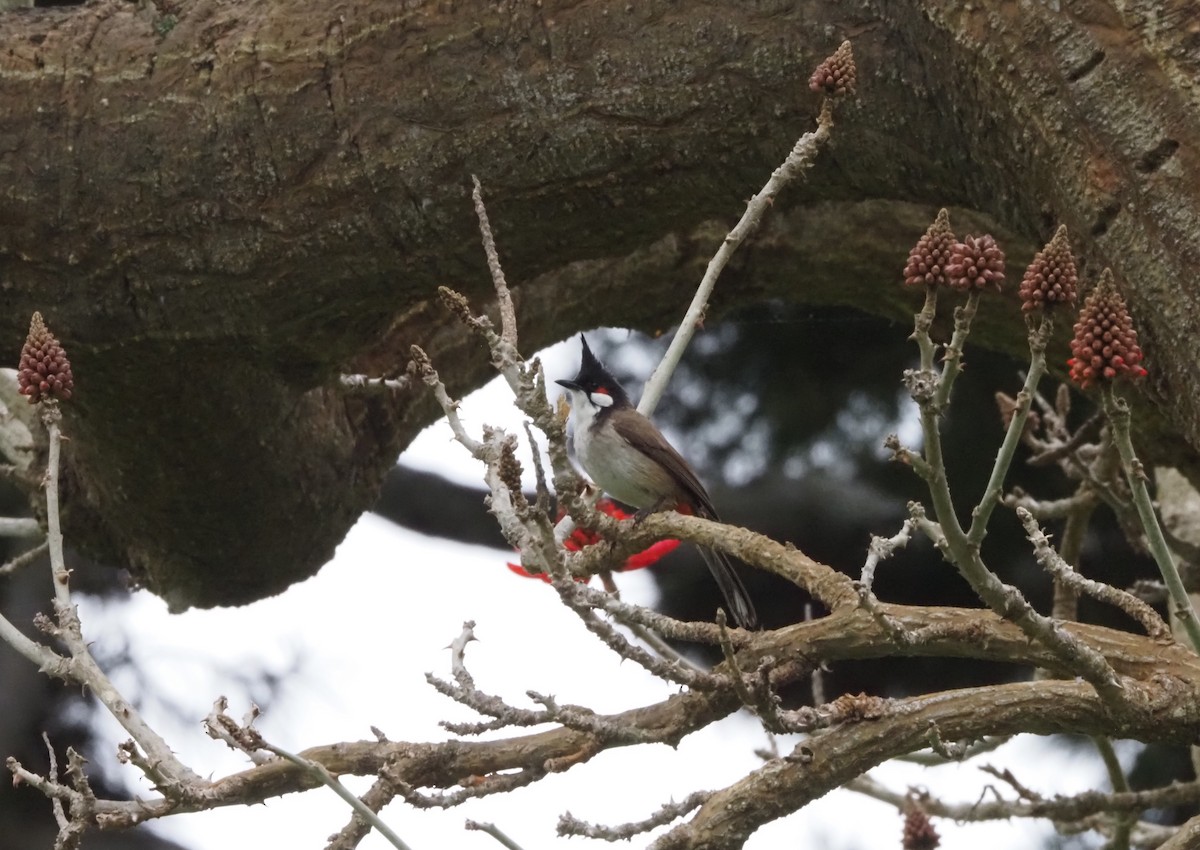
pixel 630 459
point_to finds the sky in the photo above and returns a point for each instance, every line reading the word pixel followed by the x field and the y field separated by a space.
pixel 359 637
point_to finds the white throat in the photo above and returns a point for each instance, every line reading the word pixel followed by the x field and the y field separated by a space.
pixel 583 413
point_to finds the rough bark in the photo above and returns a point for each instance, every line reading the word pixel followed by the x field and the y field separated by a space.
pixel 219 205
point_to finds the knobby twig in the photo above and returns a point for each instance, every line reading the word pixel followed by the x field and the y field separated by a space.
pixel 801 157
pixel 569 825
pixel 1050 560
pixel 158 762
pixel 1039 336
pixel 879 549
pixel 245 738
pixel 508 313
pixel 1063 809
pixel 1118 415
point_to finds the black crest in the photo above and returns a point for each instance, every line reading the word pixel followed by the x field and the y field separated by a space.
pixel 593 376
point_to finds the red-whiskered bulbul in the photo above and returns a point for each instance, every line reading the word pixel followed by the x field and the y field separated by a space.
pixel 632 461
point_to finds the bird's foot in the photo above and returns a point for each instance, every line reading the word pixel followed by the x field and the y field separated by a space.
pixel 642 513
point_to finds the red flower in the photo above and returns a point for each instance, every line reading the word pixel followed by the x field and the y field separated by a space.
pixel 1105 346
pixel 581 537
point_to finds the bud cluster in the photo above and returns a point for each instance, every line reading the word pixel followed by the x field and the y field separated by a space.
pixel 928 259
pixel 1051 278
pixel 836 76
pixel 44 372
pixel 976 263
pixel 1105 346
pixel 919 832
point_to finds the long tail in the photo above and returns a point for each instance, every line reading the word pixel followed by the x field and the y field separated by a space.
pixel 731 588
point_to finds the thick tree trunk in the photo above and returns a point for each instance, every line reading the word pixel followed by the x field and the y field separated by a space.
pixel 219 205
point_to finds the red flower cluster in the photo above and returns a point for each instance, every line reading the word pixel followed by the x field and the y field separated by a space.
pixel 44 372
pixel 581 537
pixel 1105 346
pixel 928 259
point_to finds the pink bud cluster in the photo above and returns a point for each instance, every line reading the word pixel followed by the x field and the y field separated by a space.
pixel 44 372
pixel 1105 346
pixel 836 76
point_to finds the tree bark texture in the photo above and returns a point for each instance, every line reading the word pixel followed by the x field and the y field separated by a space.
pixel 220 205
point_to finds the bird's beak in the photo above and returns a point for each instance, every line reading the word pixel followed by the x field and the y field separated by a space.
pixel 571 385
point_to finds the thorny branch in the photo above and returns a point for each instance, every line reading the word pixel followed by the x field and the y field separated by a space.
pixel 569 825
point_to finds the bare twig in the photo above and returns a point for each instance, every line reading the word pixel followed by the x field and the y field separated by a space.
pixel 1050 560
pixel 817 679
pixel 1089 430
pixel 219 726
pixel 1063 809
pixel 1122 823
pixel 70 829
pixel 504 715
pixel 1118 414
pixel 1008 778
pixel 25 558
pixel 508 313
pixel 244 737
pixel 800 158
pixel 1039 336
pixel 879 549
pixel 934 758
pixel 494 831
pixel 159 762
pixel 1009 603
pixel 952 366
pixel 318 770
pixel 377 796
pixel 569 825
pixel 736 677
pixel 474 787
pixel 577 597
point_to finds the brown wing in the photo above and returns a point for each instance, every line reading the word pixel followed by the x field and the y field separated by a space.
pixel 650 440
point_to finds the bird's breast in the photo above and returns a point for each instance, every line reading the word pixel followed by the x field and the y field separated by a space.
pixel 619 469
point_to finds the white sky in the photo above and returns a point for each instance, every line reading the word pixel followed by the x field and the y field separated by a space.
pixel 366 629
